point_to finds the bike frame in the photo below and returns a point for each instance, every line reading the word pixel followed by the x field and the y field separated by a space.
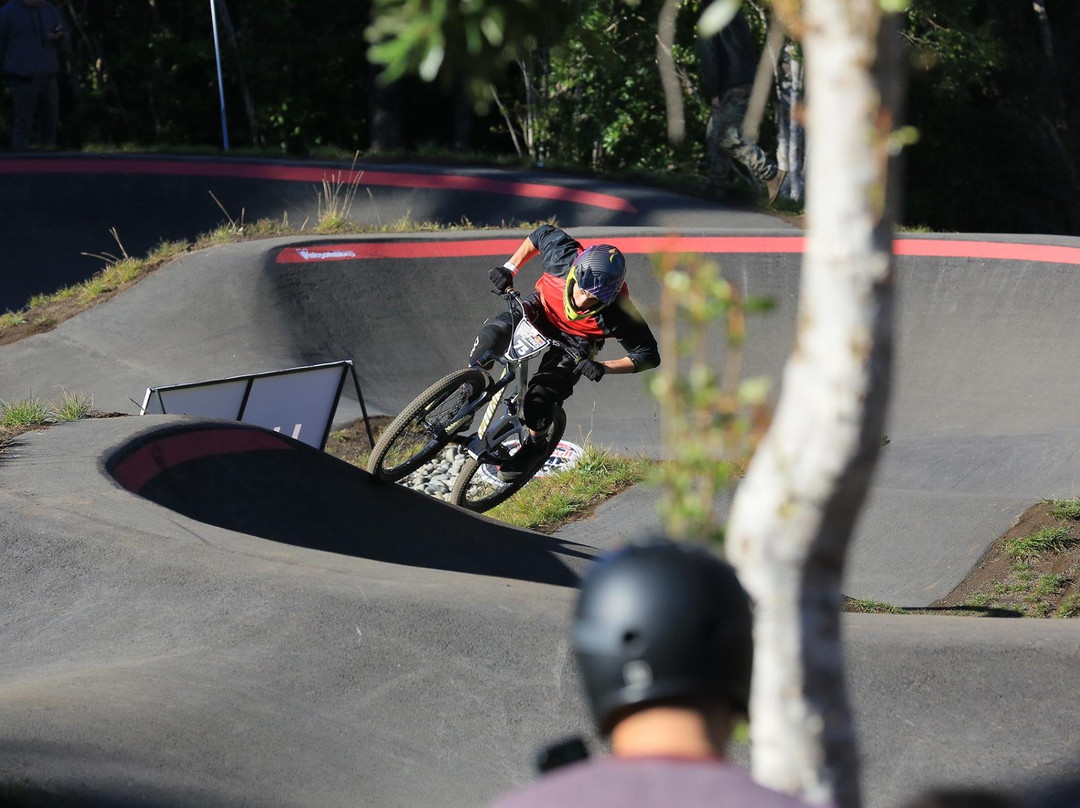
pixel 525 343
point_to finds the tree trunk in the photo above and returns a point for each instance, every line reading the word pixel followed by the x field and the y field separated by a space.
pixel 791 140
pixel 793 514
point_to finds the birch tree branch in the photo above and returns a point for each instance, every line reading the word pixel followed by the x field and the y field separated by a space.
pixel 665 32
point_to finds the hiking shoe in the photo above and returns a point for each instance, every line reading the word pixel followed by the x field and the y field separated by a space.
pixel 533 452
pixel 774 185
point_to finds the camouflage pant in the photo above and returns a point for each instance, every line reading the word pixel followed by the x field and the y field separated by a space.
pixel 725 141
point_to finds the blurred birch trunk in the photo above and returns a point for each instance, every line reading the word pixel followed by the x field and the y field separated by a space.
pixel 791 139
pixel 792 516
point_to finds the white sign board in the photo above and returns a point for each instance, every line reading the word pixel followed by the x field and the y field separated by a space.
pixel 299 402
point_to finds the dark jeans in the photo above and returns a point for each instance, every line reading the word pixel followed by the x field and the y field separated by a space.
pixel 551 384
pixel 34 97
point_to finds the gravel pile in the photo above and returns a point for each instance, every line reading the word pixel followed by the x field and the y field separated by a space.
pixel 437 477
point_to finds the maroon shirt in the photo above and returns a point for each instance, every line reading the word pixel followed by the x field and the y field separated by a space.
pixel 648 783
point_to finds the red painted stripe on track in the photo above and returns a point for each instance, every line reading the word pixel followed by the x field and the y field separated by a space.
pixel 715 245
pixel 282 173
pixel 148 461
pixel 322 253
pixel 996 250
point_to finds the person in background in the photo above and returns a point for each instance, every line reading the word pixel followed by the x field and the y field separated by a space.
pixel 662 639
pixel 728 64
pixel 31 34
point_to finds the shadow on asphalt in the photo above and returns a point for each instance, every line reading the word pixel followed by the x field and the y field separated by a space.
pixel 264 484
pixel 28 795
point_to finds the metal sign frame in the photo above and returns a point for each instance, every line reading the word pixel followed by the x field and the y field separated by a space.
pixel 346 366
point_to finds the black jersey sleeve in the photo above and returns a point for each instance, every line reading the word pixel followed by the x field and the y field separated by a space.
pixel 631 331
pixel 557 248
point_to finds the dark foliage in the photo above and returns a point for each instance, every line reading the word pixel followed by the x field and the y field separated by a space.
pixel 992 92
pixel 1000 132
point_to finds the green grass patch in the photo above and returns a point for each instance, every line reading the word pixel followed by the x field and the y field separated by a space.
pixel 1065 508
pixel 547 502
pixel 71 407
pixel 29 412
pixel 1051 584
pixel 1070 607
pixel 1023 572
pixel 10 319
pixel 1039 608
pixel 869 606
pixel 36 412
pixel 1047 540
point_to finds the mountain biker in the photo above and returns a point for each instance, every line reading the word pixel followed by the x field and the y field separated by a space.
pixel 662 638
pixel 581 299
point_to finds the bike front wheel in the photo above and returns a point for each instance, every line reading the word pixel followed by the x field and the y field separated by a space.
pixel 425 426
pixel 478 487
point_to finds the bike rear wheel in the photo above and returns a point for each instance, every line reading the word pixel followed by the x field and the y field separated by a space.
pixel 478 487
pixel 425 426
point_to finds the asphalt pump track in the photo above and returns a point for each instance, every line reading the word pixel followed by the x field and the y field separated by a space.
pixel 199 612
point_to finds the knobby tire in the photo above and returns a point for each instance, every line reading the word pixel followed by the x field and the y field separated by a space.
pixel 419 432
pixel 475 492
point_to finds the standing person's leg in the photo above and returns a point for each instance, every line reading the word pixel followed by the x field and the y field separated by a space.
pixel 732 111
pixel 719 179
pixel 49 107
pixel 24 96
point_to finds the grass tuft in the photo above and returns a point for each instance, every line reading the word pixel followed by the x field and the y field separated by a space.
pixel 980 600
pixel 11 319
pixel 1070 607
pixel 35 412
pixel 72 407
pixel 869 606
pixel 1039 608
pixel 1065 508
pixel 1047 540
pixel 29 412
pixel 339 189
pixel 1051 584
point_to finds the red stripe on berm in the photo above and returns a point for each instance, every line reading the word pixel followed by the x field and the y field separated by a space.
pixel 712 245
pixel 285 173
pixel 151 459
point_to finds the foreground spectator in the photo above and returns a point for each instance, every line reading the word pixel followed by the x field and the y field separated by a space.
pixel 662 638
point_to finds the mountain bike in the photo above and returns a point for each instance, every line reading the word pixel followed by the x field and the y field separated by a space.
pixel 444 413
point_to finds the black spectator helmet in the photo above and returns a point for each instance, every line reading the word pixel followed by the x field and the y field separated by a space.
pixel 661 622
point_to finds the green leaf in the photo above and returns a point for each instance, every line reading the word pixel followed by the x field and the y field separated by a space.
pixel 718 16
pixel 755 390
pixel 895 6
pixel 429 68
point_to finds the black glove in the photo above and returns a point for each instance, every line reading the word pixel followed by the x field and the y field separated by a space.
pixel 501 278
pixel 593 371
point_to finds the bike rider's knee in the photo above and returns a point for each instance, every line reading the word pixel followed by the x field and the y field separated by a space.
pixel 491 342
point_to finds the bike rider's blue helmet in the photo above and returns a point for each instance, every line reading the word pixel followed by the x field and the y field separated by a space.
pixel 598 271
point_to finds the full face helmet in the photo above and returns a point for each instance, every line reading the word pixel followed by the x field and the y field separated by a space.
pixel 599 271
pixel 659 622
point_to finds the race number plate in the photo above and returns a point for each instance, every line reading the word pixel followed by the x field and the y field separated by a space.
pixel 527 341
